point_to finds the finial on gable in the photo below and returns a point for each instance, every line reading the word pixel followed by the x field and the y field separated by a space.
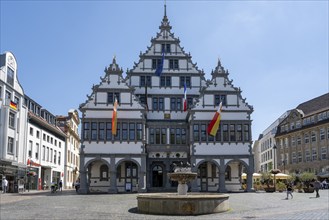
pixel 219 63
pixel 165 22
pixel 165 9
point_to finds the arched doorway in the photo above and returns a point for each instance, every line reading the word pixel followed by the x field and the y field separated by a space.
pixel 208 179
pixel 127 176
pixel 98 176
pixel 233 175
pixel 157 176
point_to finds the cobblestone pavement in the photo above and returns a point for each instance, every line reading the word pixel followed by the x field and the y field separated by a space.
pixel 69 205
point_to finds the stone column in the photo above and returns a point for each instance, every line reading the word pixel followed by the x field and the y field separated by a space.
pixel 142 175
pixel 83 174
pixel 250 174
pixel 222 187
pixel 165 176
pixel 194 183
pixel 113 177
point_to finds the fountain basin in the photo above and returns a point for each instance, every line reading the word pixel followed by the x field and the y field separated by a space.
pixel 190 204
pixel 181 177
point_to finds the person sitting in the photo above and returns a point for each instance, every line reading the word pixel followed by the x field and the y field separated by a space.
pixel 53 187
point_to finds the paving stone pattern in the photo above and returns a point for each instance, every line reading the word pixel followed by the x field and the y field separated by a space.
pixel 69 205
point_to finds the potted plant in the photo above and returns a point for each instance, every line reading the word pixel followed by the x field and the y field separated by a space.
pixel 307 178
pixel 280 186
pixel 266 179
pixel 299 187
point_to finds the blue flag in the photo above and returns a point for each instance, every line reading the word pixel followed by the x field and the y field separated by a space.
pixel 159 69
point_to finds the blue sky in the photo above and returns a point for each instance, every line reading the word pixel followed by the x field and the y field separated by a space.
pixel 275 51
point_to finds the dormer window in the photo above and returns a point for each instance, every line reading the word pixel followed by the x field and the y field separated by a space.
pixel 145 80
pixel 156 63
pixel 165 48
pixel 173 64
pixel 219 99
pixel 111 97
pixel 185 79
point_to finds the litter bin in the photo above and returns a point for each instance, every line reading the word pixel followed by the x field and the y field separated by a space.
pixel 15 188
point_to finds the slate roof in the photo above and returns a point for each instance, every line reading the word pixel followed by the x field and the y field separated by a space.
pixel 315 105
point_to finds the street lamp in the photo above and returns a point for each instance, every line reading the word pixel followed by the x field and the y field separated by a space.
pixel 274 164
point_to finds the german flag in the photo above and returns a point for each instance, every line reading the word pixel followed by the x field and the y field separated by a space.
pixel 13 105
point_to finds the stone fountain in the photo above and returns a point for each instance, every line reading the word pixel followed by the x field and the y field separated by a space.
pixel 182 203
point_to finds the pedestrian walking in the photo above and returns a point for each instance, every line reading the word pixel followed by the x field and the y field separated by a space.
pixel 317 186
pixel 289 190
pixel 4 185
pixel 60 185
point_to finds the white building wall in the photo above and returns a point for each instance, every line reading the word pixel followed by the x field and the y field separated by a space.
pixel 18 131
pixel 221 149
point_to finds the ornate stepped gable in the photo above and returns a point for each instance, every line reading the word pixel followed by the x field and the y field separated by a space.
pixel 220 84
pixel 174 54
pixel 113 83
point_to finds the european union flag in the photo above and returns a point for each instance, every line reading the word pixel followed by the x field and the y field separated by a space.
pixel 159 69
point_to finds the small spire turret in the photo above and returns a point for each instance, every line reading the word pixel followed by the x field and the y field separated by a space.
pixel 165 22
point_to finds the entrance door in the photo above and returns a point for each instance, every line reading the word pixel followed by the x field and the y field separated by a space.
pixel 157 176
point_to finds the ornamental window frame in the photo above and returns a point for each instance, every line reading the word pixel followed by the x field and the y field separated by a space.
pixel 10 76
pixel 10 145
pixel 313 136
pixel 322 134
pixel 166 48
pixel 111 97
pixel 156 63
pixel 174 64
pixel 220 98
pixel 11 120
pixel 306 139
pixel 158 103
pixel 176 104
pixel 145 81
pixel 183 80
pixel 165 81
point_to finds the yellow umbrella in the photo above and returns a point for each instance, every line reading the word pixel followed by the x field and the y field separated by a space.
pixel 254 175
pixel 281 176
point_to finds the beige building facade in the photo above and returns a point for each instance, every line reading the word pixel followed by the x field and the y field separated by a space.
pixel 69 125
pixel 303 138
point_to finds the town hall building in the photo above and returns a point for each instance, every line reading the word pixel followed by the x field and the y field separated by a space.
pixel 154 133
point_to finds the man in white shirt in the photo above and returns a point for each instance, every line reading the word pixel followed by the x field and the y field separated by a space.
pixel 4 185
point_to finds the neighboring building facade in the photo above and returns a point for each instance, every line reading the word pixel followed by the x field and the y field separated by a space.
pixel 267 147
pixel 303 138
pixel 70 125
pixel 13 117
pixel 256 151
pixel 45 147
pixel 153 131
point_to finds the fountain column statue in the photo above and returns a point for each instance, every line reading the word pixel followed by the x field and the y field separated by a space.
pixel 182 175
